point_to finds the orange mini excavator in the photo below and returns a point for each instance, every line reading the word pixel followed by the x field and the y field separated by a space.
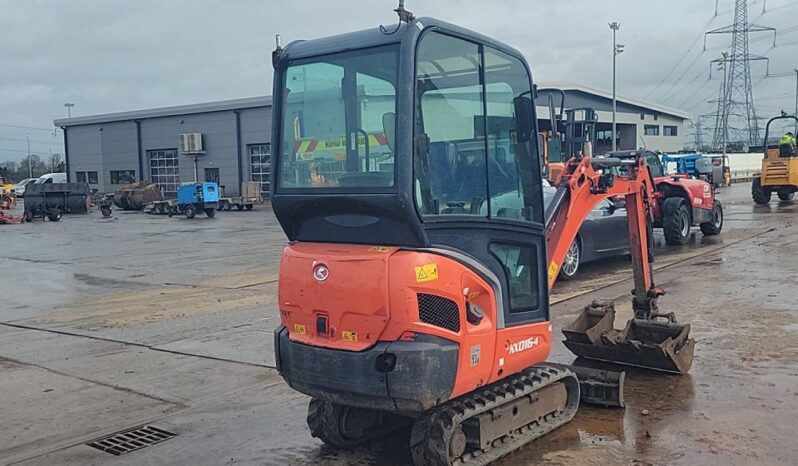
pixel 415 288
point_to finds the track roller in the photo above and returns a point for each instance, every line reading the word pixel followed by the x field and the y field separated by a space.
pixel 480 427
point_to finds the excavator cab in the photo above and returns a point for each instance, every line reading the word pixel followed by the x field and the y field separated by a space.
pixel 407 178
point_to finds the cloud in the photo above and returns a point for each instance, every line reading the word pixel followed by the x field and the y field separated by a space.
pixel 123 55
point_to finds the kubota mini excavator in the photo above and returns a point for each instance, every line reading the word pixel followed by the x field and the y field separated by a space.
pixel 415 287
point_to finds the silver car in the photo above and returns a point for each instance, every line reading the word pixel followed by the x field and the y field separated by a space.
pixel 19 188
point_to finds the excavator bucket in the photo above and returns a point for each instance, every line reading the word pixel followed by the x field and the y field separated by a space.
pixel 652 344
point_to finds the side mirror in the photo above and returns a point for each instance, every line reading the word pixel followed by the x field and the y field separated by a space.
pixel 524 118
pixel 389 128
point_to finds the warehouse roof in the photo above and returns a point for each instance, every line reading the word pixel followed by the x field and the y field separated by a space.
pixel 266 101
pixel 223 105
pixel 607 95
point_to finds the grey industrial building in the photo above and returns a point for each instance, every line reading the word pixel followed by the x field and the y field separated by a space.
pixel 116 148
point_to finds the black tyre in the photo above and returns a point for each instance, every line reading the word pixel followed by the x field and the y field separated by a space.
pixel 786 195
pixel 248 206
pixel 676 221
pixel 573 259
pixel 210 212
pixel 28 215
pixel 106 211
pixel 716 225
pixel 239 207
pixel 55 215
pixel 190 211
pixel 761 195
pixel 347 427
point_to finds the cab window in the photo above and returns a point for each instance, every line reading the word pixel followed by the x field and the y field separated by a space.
pixel 654 164
pixel 451 164
pixel 468 159
pixel 338 116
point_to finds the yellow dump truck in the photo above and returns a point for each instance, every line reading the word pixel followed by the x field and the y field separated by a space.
pixel 779 172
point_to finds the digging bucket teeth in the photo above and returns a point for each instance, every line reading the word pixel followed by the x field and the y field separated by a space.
pixel 652 344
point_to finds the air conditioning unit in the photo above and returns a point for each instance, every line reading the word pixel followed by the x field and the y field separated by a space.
pixel 191 143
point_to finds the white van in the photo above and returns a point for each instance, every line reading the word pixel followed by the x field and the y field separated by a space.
pixel 52 178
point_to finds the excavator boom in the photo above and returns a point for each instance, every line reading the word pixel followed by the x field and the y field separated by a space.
pixel 650 339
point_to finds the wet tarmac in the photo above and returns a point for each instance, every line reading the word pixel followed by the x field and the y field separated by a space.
pixel 109 324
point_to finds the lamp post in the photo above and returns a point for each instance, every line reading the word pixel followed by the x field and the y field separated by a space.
pixel 30 166
pixel 69 106
pixel 796 102
pixel 616 49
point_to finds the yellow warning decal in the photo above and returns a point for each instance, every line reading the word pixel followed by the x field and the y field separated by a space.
pixel 552 272
pixel 349 336
pixel 426 273
pixel 299 329
pixel 382 248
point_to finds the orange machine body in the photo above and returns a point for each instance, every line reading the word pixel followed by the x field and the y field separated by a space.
pixel 353 308
pixel 371 294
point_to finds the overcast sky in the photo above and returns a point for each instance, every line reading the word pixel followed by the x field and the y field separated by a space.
pixel 119 55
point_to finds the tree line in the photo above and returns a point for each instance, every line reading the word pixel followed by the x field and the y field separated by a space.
pixel 14 171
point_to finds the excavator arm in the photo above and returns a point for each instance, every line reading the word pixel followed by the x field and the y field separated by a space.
pixel 650 339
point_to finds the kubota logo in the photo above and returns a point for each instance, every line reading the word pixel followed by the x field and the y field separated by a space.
pixel 522 345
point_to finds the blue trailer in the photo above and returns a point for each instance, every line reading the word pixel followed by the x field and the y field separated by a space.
pixel 196 197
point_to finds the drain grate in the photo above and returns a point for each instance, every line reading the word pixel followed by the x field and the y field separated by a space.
pixel 131 440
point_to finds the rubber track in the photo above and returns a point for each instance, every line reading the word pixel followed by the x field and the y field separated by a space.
pixel 429 440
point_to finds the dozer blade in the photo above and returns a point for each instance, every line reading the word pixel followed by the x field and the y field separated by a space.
pixel 598 387
pixel 652 344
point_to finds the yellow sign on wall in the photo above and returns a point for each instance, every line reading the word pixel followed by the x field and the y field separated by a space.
pixel 426 273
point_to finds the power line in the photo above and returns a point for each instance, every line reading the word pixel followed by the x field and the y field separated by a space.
pixel 687 70
pixel 33 141
pixel 678 61
pixel 35 128
pixel 18 151
pixel 686 86
pixel 695 92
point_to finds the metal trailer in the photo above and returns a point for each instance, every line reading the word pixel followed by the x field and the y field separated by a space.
pixel 250 195
pixel 161 207
pixel 52 200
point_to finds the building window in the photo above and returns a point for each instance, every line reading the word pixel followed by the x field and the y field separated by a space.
pixel 655 117
pixel 164 170
pixel 93 177
pixel 123 176
pixel 80 177
pixel 651 130
pixel 604 137
pixel 212 175
pixel 669 131
pixel 642 116
pixel 260 166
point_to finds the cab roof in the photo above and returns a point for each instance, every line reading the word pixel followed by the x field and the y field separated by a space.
pixel 374 37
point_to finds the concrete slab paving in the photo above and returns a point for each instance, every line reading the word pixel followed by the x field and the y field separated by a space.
pixel 178 314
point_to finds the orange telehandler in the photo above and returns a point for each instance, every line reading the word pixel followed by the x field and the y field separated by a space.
pixel 415 288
